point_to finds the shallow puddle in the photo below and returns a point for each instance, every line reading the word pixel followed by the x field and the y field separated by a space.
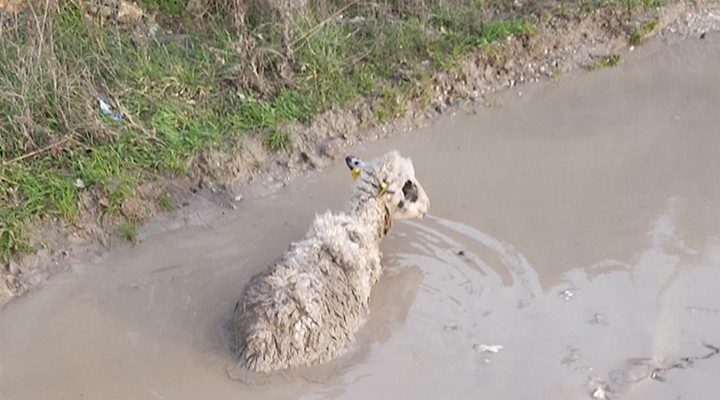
pixel 574 244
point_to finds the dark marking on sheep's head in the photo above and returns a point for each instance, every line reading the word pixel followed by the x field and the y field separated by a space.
pixel 410 200
pixel 353 162
pixel 410 191
pixel 356 165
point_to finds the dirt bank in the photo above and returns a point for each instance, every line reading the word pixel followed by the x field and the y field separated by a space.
pixel 219 180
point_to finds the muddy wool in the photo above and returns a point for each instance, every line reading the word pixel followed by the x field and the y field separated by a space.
pixel 306 307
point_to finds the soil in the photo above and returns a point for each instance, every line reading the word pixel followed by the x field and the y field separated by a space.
pixel 573 246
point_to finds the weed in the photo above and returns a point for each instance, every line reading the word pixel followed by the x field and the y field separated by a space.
pixel 638 35
pixel 605 61
pixel 628 6
pixel 12 239
pixel 129 233
pixel 277 140
pixel 391 105
pixel 165 202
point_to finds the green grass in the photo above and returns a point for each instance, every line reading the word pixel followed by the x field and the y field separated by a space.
pixel 610 60
pixel 129 233
pixel 165 202
pixel 207 90
pixel 638 35
pixel 277 140
pixel 569 8
pixel 627 5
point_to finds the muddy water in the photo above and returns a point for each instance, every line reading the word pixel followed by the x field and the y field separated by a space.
pixel 576 225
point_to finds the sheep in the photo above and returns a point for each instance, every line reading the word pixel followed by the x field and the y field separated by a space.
pixel 306 307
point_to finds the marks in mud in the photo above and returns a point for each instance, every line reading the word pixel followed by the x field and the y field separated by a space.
pixel 619 382
pixel 660 374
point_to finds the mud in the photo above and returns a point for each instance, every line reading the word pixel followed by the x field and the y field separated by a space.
pixel 575 225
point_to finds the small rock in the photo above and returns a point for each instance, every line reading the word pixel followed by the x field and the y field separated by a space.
pixel 79 183
pixel 239 197
pixel 129 13
pixel 488 72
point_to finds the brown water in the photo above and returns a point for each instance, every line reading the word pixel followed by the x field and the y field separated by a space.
pixel 576 225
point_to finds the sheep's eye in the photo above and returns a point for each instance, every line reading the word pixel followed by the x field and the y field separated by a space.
pixel 410 191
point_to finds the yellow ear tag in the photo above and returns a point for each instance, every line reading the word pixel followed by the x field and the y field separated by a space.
pixel 355 173
pixel 383 187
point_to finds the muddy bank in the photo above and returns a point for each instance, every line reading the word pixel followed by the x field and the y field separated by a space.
pixel 576 226
pixel 220 181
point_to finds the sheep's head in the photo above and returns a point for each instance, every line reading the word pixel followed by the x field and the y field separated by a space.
pixel 392 178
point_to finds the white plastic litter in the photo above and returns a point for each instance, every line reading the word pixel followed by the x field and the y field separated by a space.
pixel 567 294
pixel 106 107
pixel 488 348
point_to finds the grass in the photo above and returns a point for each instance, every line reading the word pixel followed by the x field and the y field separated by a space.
pixel 129 233
pixel 610 60
pixel 638 35
pixel 221 78
pixel 277 140
pixel 165 202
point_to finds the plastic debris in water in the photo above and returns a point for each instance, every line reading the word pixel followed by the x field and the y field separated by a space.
pixel 488 348
pixel 599 394
pixel 106 107
pixel 567 294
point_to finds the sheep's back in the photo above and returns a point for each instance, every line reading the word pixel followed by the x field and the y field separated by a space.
pixel 307 306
